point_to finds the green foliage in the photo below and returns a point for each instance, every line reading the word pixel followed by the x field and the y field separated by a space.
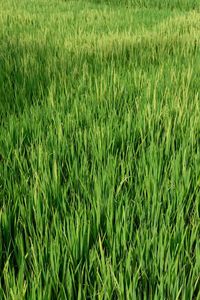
pixel 171 4
pixel 99 151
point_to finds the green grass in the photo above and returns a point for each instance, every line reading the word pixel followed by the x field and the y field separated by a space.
pixel 99 150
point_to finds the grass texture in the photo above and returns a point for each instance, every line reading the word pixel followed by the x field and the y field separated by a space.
pixel 99 149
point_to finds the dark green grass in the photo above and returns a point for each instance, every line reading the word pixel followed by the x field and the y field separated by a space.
pixel 99 151
pixel 169 4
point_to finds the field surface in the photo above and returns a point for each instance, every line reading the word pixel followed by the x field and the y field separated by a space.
pixel 100 149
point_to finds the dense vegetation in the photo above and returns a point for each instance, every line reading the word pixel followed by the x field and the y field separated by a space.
pixel 99 149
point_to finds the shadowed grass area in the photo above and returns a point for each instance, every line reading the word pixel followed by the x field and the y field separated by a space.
pixel 170 4
pixel 99 151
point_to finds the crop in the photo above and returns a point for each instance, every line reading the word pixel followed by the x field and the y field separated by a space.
pixel 99 150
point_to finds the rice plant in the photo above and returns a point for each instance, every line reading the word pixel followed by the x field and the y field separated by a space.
pixel 99 149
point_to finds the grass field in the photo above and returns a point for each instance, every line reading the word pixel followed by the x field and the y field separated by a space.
pixel 100 149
